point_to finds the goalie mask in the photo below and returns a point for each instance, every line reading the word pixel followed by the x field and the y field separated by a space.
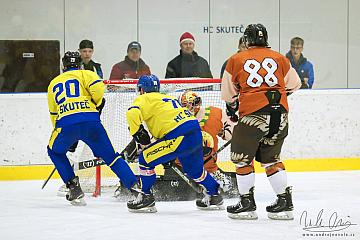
pixel 191 100
pixel 208 143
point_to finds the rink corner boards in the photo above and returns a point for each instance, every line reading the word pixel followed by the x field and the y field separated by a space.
pixel 41 172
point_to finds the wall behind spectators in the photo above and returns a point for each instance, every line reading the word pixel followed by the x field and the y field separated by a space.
pixel 331 30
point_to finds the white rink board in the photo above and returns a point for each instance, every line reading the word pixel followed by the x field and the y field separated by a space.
pixel 323 124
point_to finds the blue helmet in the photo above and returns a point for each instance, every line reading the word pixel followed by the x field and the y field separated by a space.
pixel 149 83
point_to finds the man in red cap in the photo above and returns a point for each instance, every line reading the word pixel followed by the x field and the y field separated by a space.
pixel 188 63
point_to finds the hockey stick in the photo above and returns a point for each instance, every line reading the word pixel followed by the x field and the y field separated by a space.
pixel 196 187
pixel 46 181
pixel 188 180
pixel 129 153
pixel 217 152
pixel 52 173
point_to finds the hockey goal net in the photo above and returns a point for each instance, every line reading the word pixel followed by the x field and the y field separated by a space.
pixel 119 96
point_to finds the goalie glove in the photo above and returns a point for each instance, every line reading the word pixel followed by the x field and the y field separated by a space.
pixel 231 109
pixel 142 136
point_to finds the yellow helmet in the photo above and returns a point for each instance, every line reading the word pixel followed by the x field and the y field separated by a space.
pixel 191 100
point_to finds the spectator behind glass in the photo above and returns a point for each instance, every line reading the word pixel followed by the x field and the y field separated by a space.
pixel 86 49
pixel 241 47
pixel 133 66
pixel 188 63
pixel 303 67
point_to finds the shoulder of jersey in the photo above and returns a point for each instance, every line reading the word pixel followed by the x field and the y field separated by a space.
pixel 275 53
pixel 88 72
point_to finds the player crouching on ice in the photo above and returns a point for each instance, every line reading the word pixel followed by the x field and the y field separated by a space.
pixel 214 123
pixel 75 98
pixel 178 135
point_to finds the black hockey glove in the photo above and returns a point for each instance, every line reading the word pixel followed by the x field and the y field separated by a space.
pixel 167 165
pixel 142 136
pixel 231 109
pixel 73 147
pixel 207 151
pixel 132 151
pixel 101 106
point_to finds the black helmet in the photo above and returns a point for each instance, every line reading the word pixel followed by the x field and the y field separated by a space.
pixel 71 60
pixel 256 35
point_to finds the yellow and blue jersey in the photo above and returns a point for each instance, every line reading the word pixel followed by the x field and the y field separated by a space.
pixel 160 112
pixel 73 97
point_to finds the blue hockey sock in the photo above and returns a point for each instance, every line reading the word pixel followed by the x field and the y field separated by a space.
pixel 148 178
pixel 123 171
pixel 208 182
pixel 62 165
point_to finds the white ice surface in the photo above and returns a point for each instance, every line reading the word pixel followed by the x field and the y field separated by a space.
pixel 27 212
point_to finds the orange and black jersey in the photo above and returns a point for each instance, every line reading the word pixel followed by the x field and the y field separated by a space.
pixel 251 73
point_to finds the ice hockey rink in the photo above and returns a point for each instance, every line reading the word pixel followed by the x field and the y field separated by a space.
pixel 27 212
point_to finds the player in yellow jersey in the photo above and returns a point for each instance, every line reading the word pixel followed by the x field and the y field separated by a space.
pixel 178 135
pixel 75 98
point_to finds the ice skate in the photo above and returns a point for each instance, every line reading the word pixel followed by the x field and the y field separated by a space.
pixel 282 208
pixel 75 194
pixel 119 190
pixel 245 208
pixel 210 202
pixel 143 203
pixel 135 189
pixel 223 180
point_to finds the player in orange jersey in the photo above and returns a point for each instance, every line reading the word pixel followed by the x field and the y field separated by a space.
pixel 256 83
pixel 214 123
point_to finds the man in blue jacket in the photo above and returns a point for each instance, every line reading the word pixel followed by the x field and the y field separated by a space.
pixel 303 67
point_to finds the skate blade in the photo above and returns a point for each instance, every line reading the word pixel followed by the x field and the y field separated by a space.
pixel 243 216
pixel 78 202
pixel 144 210
pixel 212 208
pixel 226 189
pixel 286 215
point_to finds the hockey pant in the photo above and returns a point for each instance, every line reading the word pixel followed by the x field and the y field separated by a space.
pixel 95 136
pixel 184 143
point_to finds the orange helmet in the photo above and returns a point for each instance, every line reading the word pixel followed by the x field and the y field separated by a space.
pixel 191 100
